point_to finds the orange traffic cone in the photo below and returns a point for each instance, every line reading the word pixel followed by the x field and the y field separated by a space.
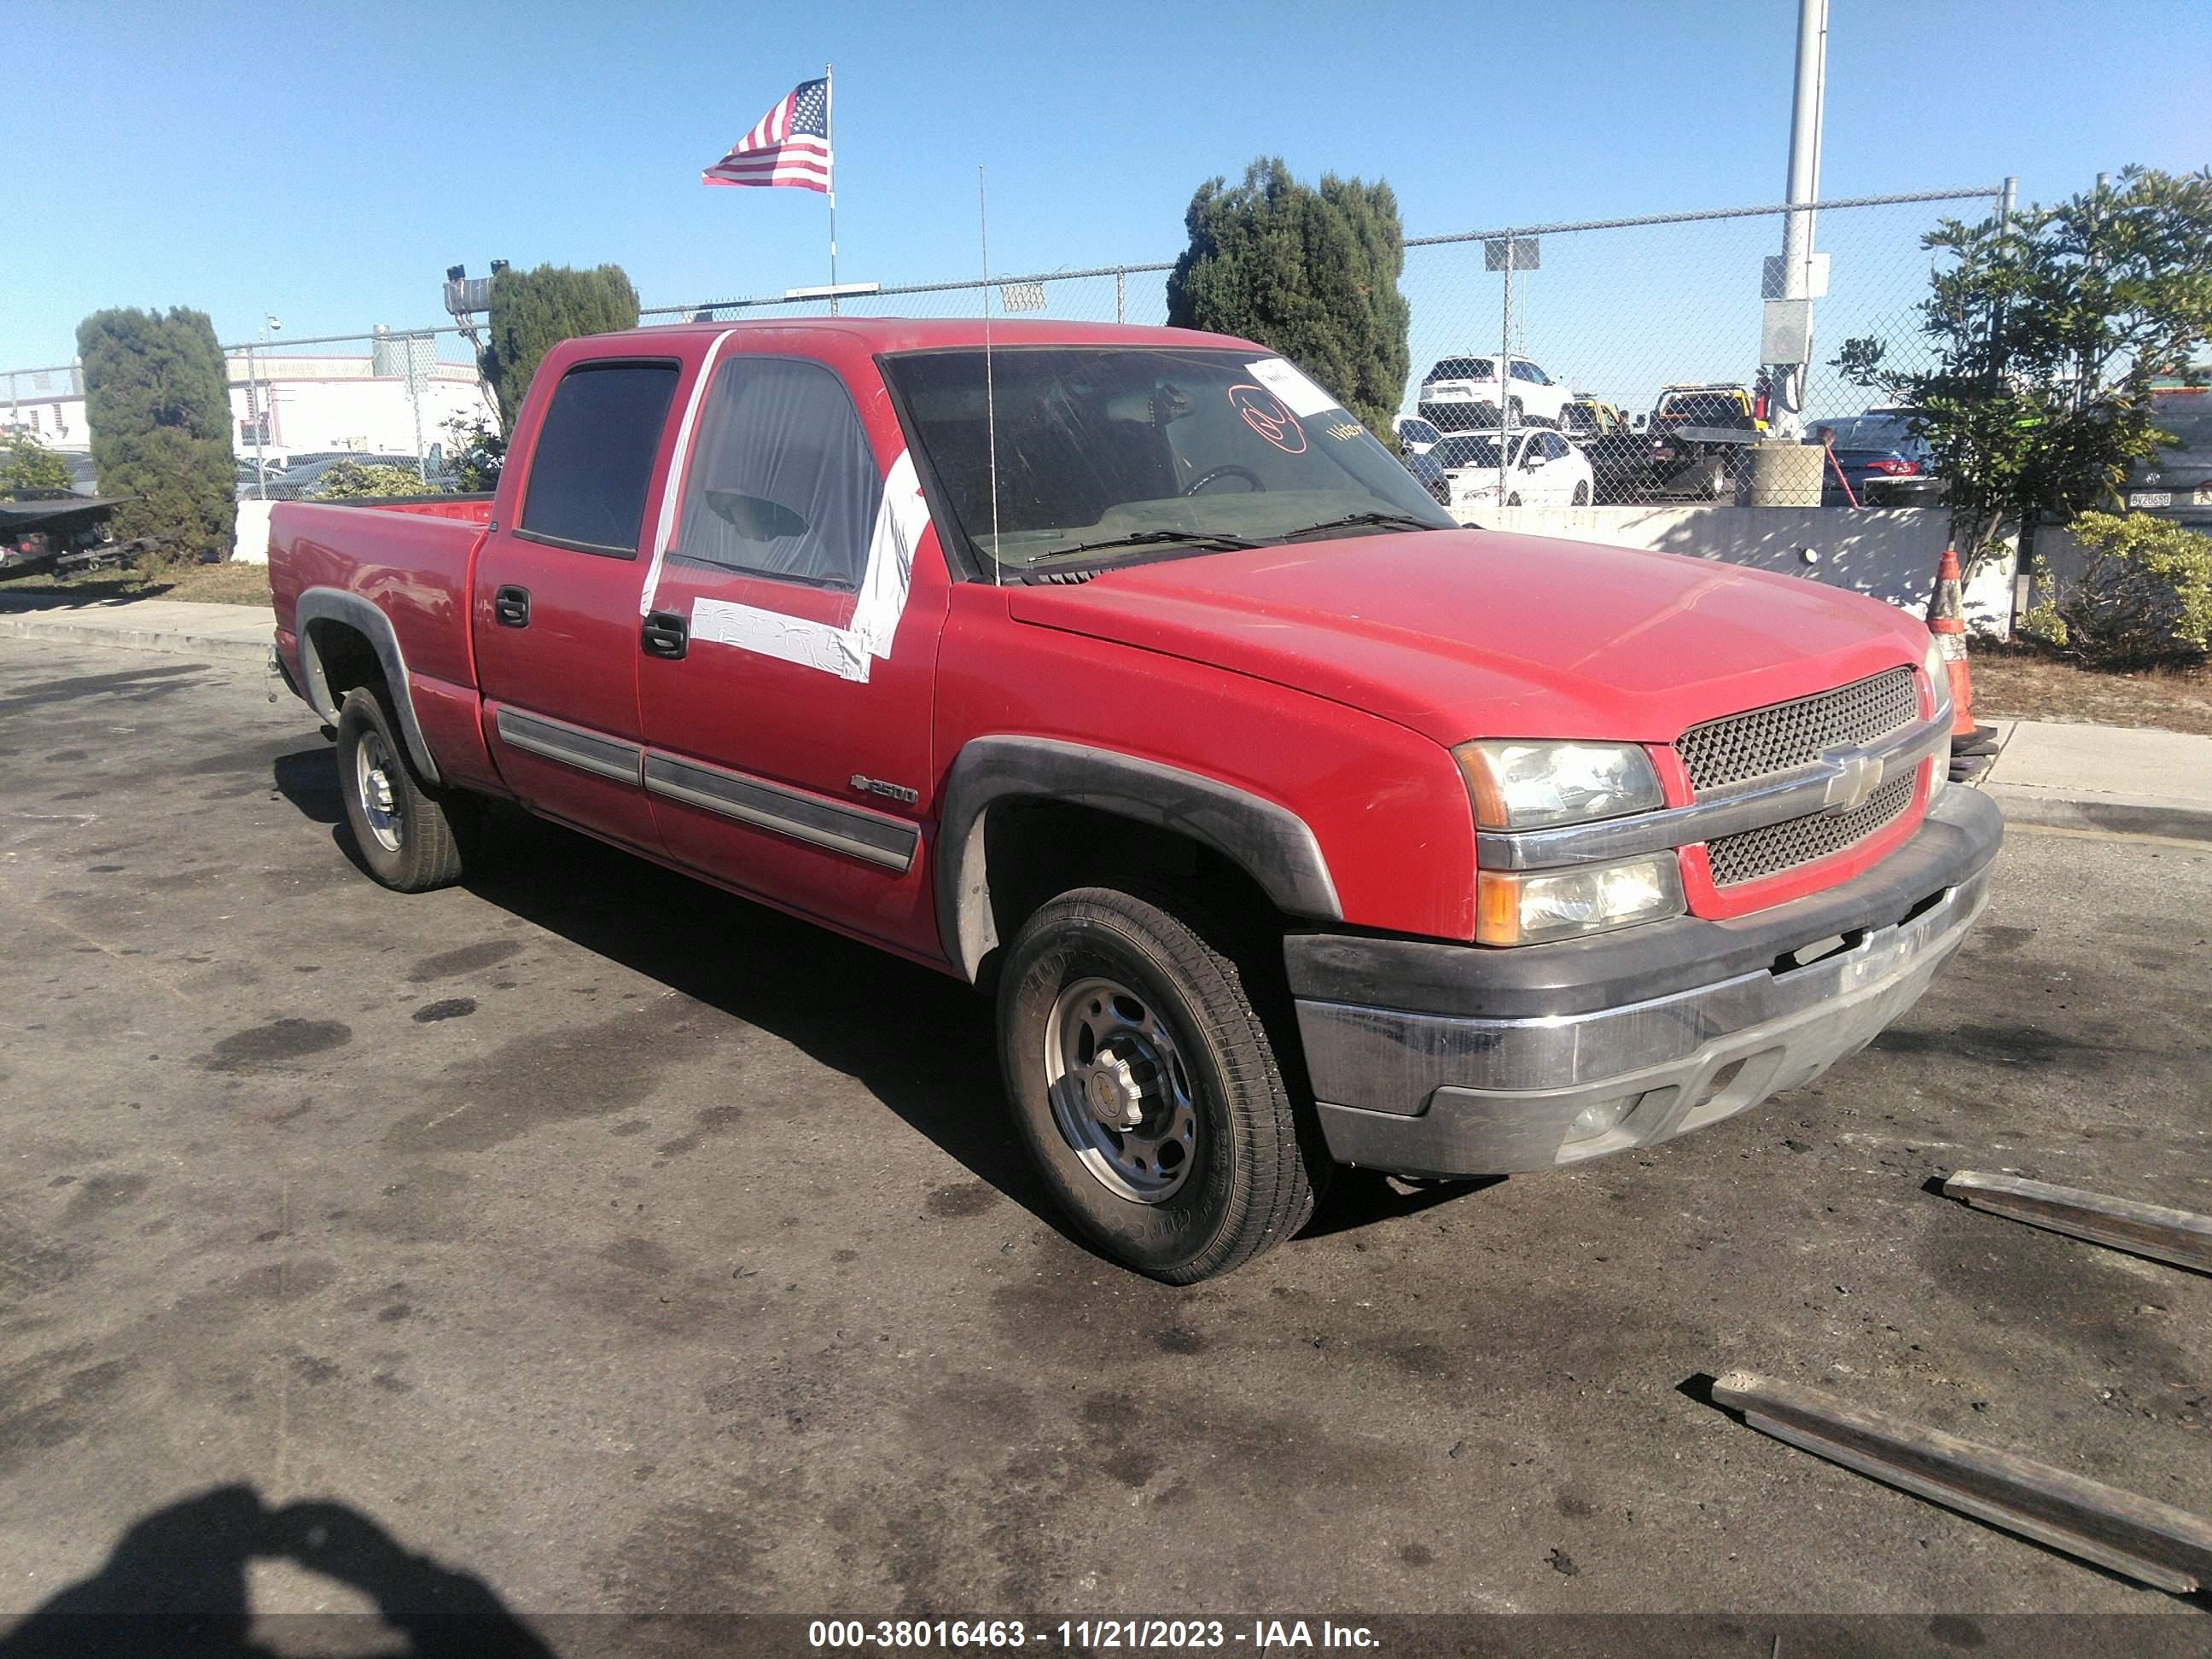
pixel 1947 620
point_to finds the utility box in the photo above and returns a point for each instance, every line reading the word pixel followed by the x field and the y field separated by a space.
pixel 1786 475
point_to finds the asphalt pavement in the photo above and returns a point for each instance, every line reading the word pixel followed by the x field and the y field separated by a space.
pixel 607 1243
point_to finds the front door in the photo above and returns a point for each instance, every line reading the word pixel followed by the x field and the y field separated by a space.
pixel 787 678
pixel 555 601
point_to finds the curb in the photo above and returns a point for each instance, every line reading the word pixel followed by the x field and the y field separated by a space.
pixel 2112 814
pixel 173 642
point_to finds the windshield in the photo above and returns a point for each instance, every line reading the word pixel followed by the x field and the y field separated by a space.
pixel 1145 446
pixel 2184 417
pixel 1465 451
pixel 1703 408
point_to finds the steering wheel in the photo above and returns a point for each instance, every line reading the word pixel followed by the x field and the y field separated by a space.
pixel 1232 471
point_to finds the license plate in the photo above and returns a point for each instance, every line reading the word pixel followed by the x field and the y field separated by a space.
pixel 2151 498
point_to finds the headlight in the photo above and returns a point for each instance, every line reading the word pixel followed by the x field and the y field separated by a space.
pixel 1938 670
pixel 1518 909
pixel 1533 785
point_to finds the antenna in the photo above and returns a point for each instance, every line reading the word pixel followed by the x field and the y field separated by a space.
pixel 990 388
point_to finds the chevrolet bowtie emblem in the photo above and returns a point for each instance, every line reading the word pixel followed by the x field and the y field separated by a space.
pixel 1857 775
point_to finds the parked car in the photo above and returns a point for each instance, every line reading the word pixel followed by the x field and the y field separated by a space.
pixel 1415 435
pixel 2176 483
pixel 1885 463
pixel 1429 473
pixel 1542 469
pixel 1288 823
pixel 1620 456
pixel 1459 394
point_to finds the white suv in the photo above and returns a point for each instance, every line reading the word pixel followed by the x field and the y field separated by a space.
pixel 1459 394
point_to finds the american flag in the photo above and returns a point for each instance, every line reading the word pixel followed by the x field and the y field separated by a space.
pixel 789 146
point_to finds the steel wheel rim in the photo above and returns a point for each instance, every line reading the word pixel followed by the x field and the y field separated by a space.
pixel 1119 1090
pixel 372 766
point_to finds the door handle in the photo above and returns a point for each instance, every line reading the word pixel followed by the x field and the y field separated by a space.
pixel 666 634
pixel 511 605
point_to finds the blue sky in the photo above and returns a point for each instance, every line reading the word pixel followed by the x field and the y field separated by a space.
pixel 239 159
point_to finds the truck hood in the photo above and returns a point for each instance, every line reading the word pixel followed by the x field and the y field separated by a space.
pixel 1475 634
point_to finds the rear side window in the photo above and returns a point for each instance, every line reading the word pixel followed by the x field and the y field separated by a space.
pixel 783 481
pixel 594 457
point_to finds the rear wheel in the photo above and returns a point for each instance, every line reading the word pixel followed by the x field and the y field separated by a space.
pixel 1582 495
pixel 1147 1089
pixel 402 830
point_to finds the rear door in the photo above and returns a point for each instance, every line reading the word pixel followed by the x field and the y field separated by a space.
pixel 787 675
pixel 555 598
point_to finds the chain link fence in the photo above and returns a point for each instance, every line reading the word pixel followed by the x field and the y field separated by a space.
pixel 1648 346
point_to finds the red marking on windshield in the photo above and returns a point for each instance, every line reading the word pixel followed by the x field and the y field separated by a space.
pixel 1265 414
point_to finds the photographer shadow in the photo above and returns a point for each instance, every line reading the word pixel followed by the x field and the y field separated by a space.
pixel 175 1584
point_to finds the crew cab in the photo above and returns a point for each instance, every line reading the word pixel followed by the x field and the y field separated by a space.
pixel 1121 672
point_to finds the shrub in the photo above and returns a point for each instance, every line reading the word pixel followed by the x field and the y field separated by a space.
pixel 157 398
pixel 475 452
pixel 2144 596
pixel 27 466
pixel 352 481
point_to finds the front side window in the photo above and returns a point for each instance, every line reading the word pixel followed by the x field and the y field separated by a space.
pixel 1111 453
pixel 593 458
pixel 782 482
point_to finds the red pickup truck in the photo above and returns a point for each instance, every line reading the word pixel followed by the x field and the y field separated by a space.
pixel 1119 671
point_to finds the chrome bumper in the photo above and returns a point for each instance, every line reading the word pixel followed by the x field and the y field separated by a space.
pixel 1438 1094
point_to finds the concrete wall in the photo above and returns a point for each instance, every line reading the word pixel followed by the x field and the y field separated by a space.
pixel 1889 554
pixel 253 532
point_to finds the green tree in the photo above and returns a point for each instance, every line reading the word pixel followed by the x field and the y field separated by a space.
pixel 2048 331
pixel 157 398
pixel 27 466
pixel 1312 273
pixel 475 450
pixel 533 311
pixel 352 481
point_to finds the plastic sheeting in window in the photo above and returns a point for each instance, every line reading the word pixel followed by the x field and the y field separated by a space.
pixel 782 482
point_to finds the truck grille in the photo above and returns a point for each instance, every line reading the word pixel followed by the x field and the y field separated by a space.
pixel 1784 735
pixel 1774 847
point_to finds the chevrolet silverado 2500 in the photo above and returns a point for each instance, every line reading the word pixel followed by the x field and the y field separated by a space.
pixel 1121 672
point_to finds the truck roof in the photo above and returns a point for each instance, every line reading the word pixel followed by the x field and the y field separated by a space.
pixel 927 333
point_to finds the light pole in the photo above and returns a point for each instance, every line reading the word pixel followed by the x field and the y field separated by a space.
pixel 269 325
pixel 1790 324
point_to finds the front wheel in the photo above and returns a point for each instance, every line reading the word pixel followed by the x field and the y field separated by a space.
pixel 1582 495
pixel 1147 1088
pixel 401 829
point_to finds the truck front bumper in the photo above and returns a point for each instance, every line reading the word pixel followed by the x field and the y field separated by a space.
pixel 1451 1060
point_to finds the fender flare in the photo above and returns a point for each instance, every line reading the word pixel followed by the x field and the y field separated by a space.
pixel 1270 843
pixel 335 604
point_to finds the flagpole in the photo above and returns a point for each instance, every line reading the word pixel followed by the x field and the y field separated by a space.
pixel 830 138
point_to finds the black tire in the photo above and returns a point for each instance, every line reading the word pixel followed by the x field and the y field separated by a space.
pixel 1245 1185
pixel 1582 495
pixel 1514 414
pixel 403 831
pixel 1512 500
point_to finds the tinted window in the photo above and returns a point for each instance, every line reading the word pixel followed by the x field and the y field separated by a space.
pixel 1538 375
pixel 1461 368
pixel 2186 416
pixel 594 456
pixel 1466 450
pixel 1419 432
pixel 781 480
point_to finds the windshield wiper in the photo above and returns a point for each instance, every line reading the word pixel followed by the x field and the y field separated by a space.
pixel 1355 520
pixel 1146 538
pixel 1149 539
